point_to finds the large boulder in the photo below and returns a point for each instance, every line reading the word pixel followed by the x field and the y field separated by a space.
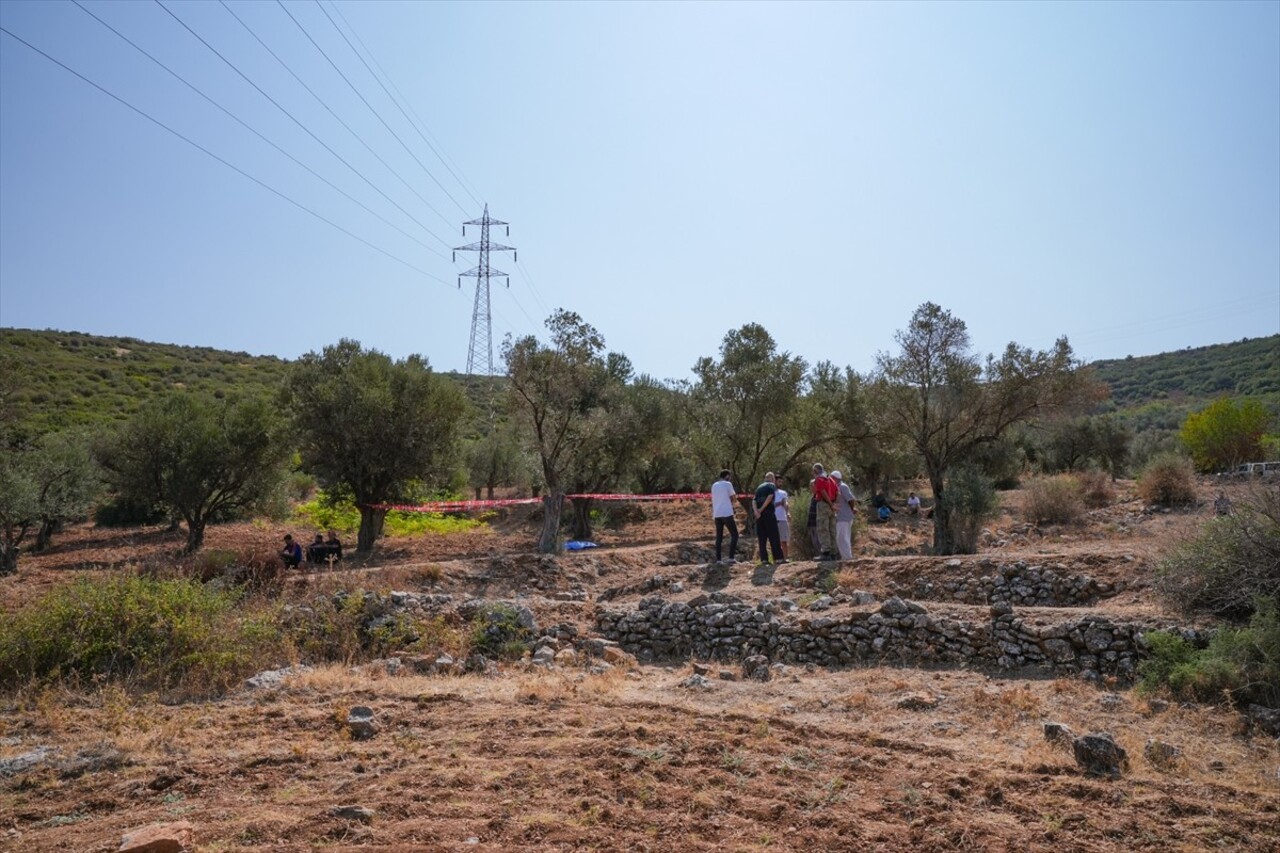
pixel 1100 755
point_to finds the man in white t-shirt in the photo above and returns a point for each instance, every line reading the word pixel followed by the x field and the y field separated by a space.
pixel 722 496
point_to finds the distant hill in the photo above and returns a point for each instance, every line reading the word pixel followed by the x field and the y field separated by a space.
pixel 1245 368
pixel 61 379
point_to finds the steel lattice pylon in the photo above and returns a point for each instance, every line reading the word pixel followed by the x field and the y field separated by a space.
pixel 480 350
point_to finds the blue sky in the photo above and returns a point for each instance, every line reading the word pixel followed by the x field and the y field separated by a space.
pixel 1105 171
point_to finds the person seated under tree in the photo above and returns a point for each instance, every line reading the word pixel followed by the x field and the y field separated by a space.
pixel 291 553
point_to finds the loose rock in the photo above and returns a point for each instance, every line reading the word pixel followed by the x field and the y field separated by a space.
pixel 1100 755
pixel 158 838
pixel 360 723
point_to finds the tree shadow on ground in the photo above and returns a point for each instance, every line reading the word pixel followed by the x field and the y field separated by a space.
pixel 716 578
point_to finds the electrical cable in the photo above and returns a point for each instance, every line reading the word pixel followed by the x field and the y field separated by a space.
pixel 372 110
pixel 221 160
pixel 252 130
pixel 245 77
pixel 396 105
pixel 443 155
pixel 337 117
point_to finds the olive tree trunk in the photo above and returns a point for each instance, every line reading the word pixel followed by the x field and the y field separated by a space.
pixel 552 507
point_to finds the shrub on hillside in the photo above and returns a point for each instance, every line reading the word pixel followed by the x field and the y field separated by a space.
pixel 145 632
pixel 1053 500
pixel 1168 481
pixel 1234 559
pixel 1240 665
pixel 972 499
pixel 1096 489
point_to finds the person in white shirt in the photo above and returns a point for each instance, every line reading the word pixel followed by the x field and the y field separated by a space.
pixel 782 509
pixel 722 497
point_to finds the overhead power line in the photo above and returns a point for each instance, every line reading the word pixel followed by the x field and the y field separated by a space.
pixel 397 106
pixel 376 114
pixel 295 120
pixel 254 131
pixel 419 124
pixel 221 160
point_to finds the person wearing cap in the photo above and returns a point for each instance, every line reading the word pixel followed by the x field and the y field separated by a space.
pixel 825 493
pixel 845 514
pixel 767 520
pixel 722 495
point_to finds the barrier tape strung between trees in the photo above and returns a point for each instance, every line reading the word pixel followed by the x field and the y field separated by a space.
pixel 464 506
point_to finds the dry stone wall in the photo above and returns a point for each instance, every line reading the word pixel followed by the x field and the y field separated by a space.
pixel 722 627
pixel 1018 584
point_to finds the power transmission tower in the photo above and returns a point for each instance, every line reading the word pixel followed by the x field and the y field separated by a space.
pixel 480 351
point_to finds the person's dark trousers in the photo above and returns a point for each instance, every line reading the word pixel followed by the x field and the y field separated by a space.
pixel 767 532
pixel 721 524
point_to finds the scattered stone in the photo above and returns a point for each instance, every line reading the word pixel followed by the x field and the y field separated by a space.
pixel 1264 720
pixel 476 662
pixel 544 657
pixel 861 597
pixel 1111 701
pixel 159 838
pixel 273 678
pixel 1161 754
pixel 728 675
pixel 616 656
pixel 1001 608
pixel 823 602
pixel 1218 766
pixel 701 669
pixel 696 682
pixel 25 761
pixel 675 587
pixel 566 657
pixel 92 759
pixel 360 722
pixel 442 665
pixel 1100 755
pixel 1157 706
pixel 894 606
pixel 919 702
pixel 756 668
pixel 359 813
pixel 787 709
pixel 1059 734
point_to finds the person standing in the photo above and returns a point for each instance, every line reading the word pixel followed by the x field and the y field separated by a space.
pixel 767 520
pixel 845 514
pixel 782 511
pixel 722 495
pixel 825 493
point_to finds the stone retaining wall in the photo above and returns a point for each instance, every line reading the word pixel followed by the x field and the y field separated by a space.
pixel 1018 584
pixel 721 627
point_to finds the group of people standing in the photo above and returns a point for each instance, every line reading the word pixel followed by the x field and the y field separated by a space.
pixel 832 511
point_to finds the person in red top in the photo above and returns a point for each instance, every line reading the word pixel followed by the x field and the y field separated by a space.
pixel 825 493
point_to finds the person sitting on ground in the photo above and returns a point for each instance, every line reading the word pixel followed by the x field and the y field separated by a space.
pixel 334 544
pixel 291 553
pixel 1222 504
pixel 913 504
pixel 316 550
pixel 883 513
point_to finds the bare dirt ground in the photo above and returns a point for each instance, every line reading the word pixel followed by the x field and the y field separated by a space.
pixel 628 759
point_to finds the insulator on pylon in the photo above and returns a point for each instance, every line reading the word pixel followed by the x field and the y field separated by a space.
pixel 508 230
pixel 455 257
pixel 515 256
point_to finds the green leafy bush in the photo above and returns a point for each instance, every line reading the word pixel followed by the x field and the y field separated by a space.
pixel 497 631
pixel 344 517
pixel 1167 481
pixel 146 632
pixel 1240 665
pixel 971 497
pixel 1053 500
pixel 1233 560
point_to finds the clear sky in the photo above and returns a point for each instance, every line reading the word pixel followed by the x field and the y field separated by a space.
pixel 1107 171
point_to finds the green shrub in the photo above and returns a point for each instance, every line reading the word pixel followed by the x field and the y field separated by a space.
pixel 1233 560
pixel 346 626
pixel 971 497
pixel 1240 665
pixel 323 514
pixel 1053 500
pixel 497 632
pixel 149 633
pixel 801 546
pixel 1168 481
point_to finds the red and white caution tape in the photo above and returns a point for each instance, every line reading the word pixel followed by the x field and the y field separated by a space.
pixel 467 506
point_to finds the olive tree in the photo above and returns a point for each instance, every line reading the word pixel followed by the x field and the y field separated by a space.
pixel 199 457
pixel 559 391
pixel 372 429
pixel 19 505
pixel 949 402
pixel 68 480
